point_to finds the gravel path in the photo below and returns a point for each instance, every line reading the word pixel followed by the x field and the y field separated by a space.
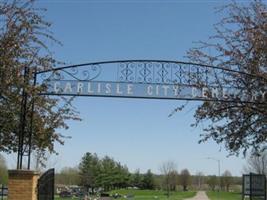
pixel 200 196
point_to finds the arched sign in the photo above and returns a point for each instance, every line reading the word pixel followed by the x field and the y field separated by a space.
pixel 153 79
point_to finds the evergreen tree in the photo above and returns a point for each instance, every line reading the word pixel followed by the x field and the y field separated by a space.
pixel 89 170
pixel 136 179
pixel 148 180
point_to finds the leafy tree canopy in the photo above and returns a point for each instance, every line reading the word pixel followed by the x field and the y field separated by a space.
pixel 24 39
pixel 240 43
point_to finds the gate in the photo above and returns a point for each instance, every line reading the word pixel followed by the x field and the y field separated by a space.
pixel 46 185
pixel 254 185
pixel 3 192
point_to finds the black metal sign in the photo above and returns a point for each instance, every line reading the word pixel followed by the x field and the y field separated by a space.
pixel 46 185
pixel 254 185
pixel 149 79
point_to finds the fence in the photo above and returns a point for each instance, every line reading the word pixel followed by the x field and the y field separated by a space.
pixel 3 192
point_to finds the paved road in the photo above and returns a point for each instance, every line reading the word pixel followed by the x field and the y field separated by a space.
pixel 200 196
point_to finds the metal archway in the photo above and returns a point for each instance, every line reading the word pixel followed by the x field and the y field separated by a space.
pixel 149 79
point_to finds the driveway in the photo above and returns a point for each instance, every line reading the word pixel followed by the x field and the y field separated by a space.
pixel 201 195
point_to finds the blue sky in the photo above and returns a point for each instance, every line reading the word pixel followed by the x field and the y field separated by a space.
pixel 135 132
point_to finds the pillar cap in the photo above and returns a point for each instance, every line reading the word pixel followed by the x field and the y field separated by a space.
pixel 15 172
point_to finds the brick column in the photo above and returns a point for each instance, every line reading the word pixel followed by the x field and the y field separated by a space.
pixel 22 185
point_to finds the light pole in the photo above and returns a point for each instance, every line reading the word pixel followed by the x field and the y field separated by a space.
pixel 219 170
pixel 219 165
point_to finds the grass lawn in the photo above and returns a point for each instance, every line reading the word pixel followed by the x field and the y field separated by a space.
pixel 147 195
pixel 153 194
pixel 224 195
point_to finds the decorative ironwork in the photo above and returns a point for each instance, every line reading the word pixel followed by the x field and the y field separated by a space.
pixel 148 79
pixel 88 73
pixel 167 72
pixel 144 71
pixel 46 185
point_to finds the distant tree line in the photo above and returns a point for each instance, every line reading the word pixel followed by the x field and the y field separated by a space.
pixel 105 173
pixel 94 173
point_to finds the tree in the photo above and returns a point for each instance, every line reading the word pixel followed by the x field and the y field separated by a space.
pixel 103 173
pixel 68 176
pixel 112 174
pixel 199 179
pixel 148 180
pixel 227 180
pixel 3 171
pixel 24 39
pixel 137 179
pixel 185 179
pixel 105 177
pixel 88 171
pixel 257 163
pixel 240 43
pixel 168 170
pixel 212 182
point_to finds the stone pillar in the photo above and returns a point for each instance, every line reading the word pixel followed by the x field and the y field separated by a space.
pixel 22 185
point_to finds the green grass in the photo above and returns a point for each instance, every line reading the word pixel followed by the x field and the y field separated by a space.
pixel 154 195
pixel 147 195
pixel 224 195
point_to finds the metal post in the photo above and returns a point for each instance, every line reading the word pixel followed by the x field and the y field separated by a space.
pixel 243 187
pixel 219 164
pixel 250 187
pixel 22 120
pixel 265 187
pixel 219 172
pixel 31 123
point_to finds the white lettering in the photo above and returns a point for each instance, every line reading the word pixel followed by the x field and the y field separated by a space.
pixel 150 90
pixel 225 93
pixel 68 88
pixel 157 90
pixel 254 97
pixel 99 87
pixel 108 88
pixel 215 92
pixel 263 94
pixel 165 88
pixel 56 87
pixel 129 89
pixel 79 87
pixel 118 91
pixel 205 92
pixel 176 90
pixel 194 92
pixel 90 88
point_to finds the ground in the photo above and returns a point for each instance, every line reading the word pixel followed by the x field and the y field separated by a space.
pixel 160 195
pixel 224 195
pixel 148 195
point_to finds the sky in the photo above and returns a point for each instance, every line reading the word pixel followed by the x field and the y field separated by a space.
pixel 136 132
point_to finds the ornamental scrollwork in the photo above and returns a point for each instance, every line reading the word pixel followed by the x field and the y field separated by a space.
pixel 83 73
